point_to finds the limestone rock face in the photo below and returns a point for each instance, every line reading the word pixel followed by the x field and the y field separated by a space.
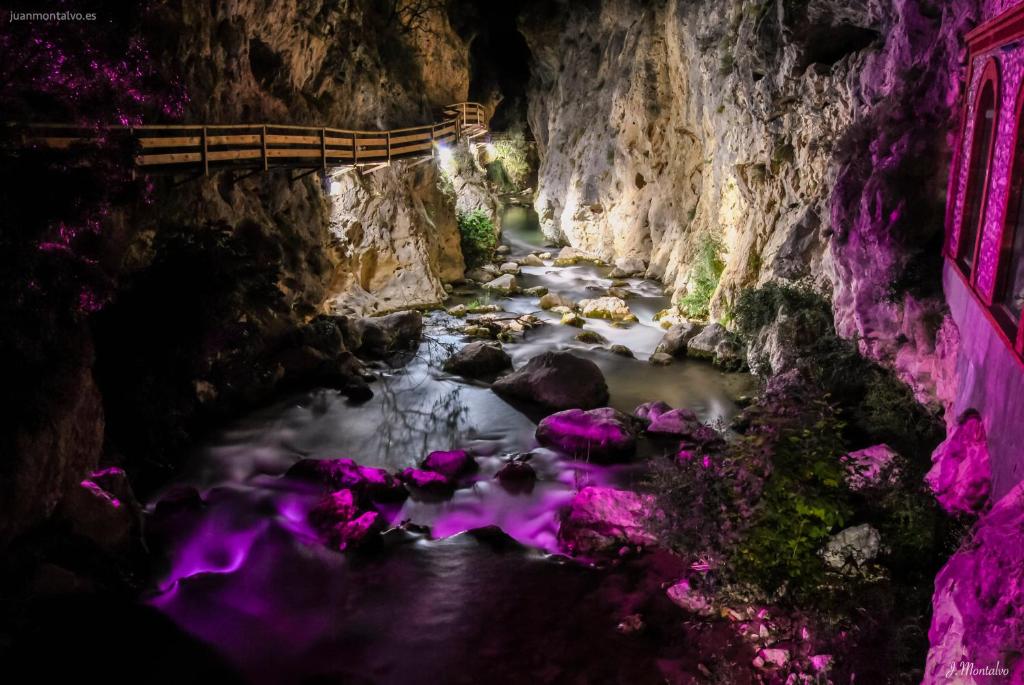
pixel 961 475
pixel 771 127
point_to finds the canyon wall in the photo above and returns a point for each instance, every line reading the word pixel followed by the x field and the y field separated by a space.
pixel 811 138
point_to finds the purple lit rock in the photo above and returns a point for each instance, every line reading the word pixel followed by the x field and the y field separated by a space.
pixel 683 595
pixel 600 434
pixel 337 474
pixel 976 608
pixel 450 464
pixel 871 467
pixel 103 509
pixel 649 411
pixel 338 519
pixel 427 481
pixel 676 422
pixel 603 520
pixel 960 475
pixel 556 380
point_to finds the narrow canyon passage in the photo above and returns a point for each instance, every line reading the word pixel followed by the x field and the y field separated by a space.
pixel 438 603
pixel 437 341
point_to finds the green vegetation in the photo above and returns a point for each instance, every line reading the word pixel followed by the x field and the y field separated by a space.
pixel 512 153
pixel 477 237
pixel 707 269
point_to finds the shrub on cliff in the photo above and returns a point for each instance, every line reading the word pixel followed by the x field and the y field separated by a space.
pixel 704 275
pixel 477 237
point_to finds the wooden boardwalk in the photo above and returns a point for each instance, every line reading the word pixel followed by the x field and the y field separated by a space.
pixel 202 149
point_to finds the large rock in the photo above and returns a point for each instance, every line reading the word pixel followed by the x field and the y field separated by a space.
pixel 552 300
pixel 850 549
pixel 383 335
pixel 103 509
pixel 341 524
pixel 603 520
pixel 339 474
pixel 872 467
pixel 961 475
pixel 611 308
pixel 480 360
pixel 604 434
pixel 556 380
pixel 628 266
pixel 677 337
pixel 704 344
pixel 450 463
pixel 976 609
pixel 504 285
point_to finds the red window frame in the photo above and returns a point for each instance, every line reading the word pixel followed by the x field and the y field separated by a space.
pixel 990 75
pixel 1007 233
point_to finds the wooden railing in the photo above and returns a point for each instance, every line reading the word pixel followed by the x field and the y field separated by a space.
pixel 202 149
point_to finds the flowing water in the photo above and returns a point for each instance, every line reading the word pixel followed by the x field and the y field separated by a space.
pixel 246 573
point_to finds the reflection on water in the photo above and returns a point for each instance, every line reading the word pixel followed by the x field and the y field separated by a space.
pixel 245 573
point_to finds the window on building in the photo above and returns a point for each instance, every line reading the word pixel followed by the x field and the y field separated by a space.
pixel 1010 287
pixel 977 176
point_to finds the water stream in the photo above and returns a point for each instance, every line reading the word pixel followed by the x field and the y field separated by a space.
pixel 245 573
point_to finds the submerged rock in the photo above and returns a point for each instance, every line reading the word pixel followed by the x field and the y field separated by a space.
pixel 504 285
pixel 556 380
pixel 604 434
pixel 648 411
pixel 976 608
pixel 517 476
pixel 621 350
pixel 450 464
pixel 429 482
pixel 602 520
pixel 612 308
pixel 479 360
pixel 536 291
pixel 678 337
pixel 961 474
pixel 660 359
pixel 590 338
pixel 572 319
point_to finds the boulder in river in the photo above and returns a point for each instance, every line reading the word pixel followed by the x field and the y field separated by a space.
pixel 612 308
pixel 384 335
pixel 572 319
pixel 660 359
pixel 675 422
pixel 517 476
pixel 509 268
pixel 429 482
pixel 621 350
pixel 552 300
pixel 531 260
pixel 677 337
pixel 703 344
pixel 602 435
pixel 590 338
pixel 504 285
pixel 628 266
pixel 556 380
pixel 450 464
pixel 337 474
pixel 479 360
pixel 602 520
pixel 536 291
pixel 339 521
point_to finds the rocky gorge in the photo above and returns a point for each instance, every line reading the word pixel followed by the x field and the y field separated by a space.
pixel 654 381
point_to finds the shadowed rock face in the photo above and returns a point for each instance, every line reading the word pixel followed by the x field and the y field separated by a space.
pixel 602 520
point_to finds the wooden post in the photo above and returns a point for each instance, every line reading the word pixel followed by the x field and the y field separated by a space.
pixel 206 159
pixel 388 135
pixel 355 150
pixel 263 144
pixel 432 146
pixel 323 149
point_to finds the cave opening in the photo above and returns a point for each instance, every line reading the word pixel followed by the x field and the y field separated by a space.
pixel 499 62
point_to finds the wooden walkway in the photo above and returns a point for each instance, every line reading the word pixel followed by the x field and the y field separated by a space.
pixel 204 149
